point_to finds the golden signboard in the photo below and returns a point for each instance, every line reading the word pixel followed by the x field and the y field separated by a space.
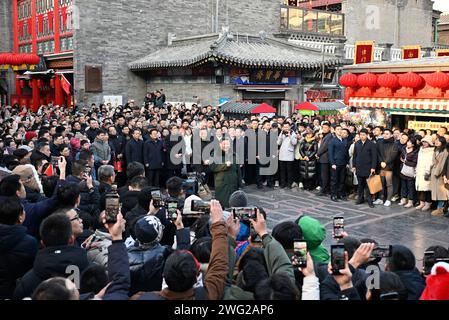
pixel 417 125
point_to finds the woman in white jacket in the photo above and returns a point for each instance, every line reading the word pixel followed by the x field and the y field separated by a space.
pixel 423 170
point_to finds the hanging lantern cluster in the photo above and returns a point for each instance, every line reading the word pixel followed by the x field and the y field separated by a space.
pixel 16 60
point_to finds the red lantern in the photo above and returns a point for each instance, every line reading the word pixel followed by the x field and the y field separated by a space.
pixel 349 80
pixel 410 80
pixel 2 58
pixel 368 80
pixel 35 59
pixel 388 80
pixel 438 80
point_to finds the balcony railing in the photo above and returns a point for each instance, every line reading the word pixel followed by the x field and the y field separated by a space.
pixel 320 22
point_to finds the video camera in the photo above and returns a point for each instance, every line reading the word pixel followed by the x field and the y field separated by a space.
pixel 192 184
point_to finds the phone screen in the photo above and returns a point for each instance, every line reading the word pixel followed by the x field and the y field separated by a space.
pixel 300 251
pixel 381 252
pixel 172 208
pixel 112 207
pixel 337 258
pixel 157 198
pixel 339 227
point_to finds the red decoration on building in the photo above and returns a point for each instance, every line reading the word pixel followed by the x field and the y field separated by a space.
pixel 30 25
pixel 22 83
pixel 40 19
pixel 39 83
pixel 368 80
pixel 52 83
pixel 64 16
pixel 50 20
pixel 438 80
pixel 387 82
pixel 349 80
pixel 410 83
pixel 21 29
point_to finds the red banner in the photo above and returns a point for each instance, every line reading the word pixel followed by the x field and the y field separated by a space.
pixel 364 52
pixel 21 28
pixel 64 16
pixel 40 19
pixel 65 84
pixel 442 52
pixel 30 24
pixel 50 20
pixel 411 52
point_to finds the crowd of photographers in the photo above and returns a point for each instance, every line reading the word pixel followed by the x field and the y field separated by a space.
pixel 95 206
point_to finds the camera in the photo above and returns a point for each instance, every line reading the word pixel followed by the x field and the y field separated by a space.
pixel 381 252
pixel 112 205
pixel 430 260
pixel 200 206
pixel 54 161
pixel 339 227
pixel 244 213
pixel 337 258
pixel 300 253
pixel 87 171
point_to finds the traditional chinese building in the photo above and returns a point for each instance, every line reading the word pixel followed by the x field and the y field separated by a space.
pixel 230 67
pixel 412 93
pixel 44 28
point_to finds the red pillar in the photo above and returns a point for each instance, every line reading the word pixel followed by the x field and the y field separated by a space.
pixel 59 96
pixel 33 26
pixel 56 27
pixel 15 17
pixel 36 95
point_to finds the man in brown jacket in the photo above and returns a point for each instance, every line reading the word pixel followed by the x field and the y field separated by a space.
pixel 182 269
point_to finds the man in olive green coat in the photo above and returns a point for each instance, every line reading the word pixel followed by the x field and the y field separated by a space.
pixel 226 174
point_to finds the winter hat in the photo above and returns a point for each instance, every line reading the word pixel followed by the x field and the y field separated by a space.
pixel 30 135
pixel 314 234
pixel 148 230
pixel 29 177
pixel 437 283
pixel 26 148
pixel 238 199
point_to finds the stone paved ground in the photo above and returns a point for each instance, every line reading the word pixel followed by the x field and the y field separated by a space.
pixel 393 225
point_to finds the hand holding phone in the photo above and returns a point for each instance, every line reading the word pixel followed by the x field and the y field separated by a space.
pixel 339 227
pixel 337 258
pixel 300 253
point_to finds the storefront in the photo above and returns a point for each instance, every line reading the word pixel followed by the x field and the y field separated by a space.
pixel 406 94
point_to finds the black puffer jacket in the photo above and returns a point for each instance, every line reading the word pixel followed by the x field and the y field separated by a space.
pixel 51 262
pixel 17 253
pixel 129 200
pixel 388 152
pixel 308 148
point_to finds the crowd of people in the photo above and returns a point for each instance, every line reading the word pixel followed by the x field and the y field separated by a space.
pixel 58 168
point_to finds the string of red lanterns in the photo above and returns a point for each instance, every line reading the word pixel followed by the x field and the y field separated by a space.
pixel 18 59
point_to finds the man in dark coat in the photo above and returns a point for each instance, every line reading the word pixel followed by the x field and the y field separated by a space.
pixel 364 162
pixel 338 159
pixel 226 174
pixel 17 248
pixel 387 154
pixel 153 155
pixel 173 163
pixel 134 147
pixel 58 254
pixel 323 159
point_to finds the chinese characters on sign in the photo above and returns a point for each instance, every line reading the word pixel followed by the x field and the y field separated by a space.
pixel 364 52
pixel 411 52
pixel 442 52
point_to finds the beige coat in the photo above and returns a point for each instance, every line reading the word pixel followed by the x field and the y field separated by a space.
pixel 424 165
pixel 439 192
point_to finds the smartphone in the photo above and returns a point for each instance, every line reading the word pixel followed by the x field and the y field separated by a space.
pixel 156 195
pixel 200 206
pixel 381 252
pixel 172 207
pixel 112 208
pixel 54 161
pixel 337 258
pixel 300 252
pixel 244 213
pixel 88 171
pixel 339 227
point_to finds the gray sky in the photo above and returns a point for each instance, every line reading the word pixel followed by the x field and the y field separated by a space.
pixel 442 5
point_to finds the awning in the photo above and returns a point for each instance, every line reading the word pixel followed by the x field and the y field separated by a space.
pixel 238 107
pixel 330 106
pixel 263 108
pixel 263 88
pixel 39 72
pixel 306 106
pixel 401 103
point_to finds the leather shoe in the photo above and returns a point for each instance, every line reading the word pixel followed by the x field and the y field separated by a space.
pixel 360 202
pixel 334 199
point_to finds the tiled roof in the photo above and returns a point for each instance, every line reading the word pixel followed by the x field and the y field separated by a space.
pixel 327 106
pixel 249 51
pixel 238 107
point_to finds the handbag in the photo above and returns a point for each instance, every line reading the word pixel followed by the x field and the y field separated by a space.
pixel 408 171
pixel 374 183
